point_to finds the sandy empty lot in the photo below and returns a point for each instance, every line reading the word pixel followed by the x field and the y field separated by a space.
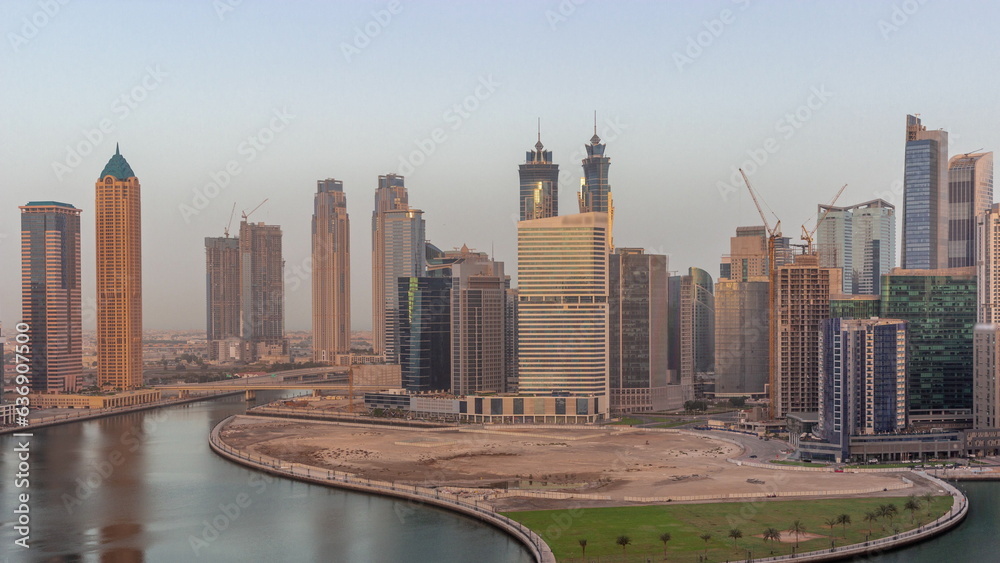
pixel 613 461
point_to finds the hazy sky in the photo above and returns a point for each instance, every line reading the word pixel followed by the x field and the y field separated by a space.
pixel 448 93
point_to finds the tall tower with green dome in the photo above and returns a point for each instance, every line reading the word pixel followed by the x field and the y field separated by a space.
pixel 119 276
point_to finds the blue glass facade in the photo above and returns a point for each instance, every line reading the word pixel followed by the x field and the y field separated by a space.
pixel 425 333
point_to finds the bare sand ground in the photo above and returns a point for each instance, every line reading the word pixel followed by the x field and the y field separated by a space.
pixel 617 462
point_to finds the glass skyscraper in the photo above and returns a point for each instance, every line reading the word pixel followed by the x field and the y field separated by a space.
pixel 970 194
pixel 50 295
pixel 595 193
pixel 859 239
pixel 424 333
pixel 539 184
pixel 925 197
pixel 940 307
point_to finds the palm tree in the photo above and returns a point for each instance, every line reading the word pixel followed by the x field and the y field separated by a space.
pixel 891 511
pixel 912 505
pixel 871 516
pixel 623 541
pixel 583 547
pixel 736 534
pixel 844 520
pixel 665 537
pixel 797 528
pixel 772 535
pixel 928 499
pixel 831 522
pixel 705 538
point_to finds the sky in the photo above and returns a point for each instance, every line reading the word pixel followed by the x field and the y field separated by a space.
pixel 223 102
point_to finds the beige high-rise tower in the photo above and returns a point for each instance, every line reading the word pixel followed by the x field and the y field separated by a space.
pixel 119 276
pixel 331 272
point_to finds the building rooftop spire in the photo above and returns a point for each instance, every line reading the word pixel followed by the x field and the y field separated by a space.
pixel 118 167
pixel 539 146
pixel 595 139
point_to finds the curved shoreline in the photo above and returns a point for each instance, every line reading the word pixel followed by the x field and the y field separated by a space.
pixel 532 541
pixel 540 550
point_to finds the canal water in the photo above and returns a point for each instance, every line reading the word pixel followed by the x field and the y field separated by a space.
pixel 145 487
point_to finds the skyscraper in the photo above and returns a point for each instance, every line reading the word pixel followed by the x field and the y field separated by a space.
pixel 986 344
pixel 119 276
pixel 940 307
pixel 742 315
pixel 970 194
pixel 860 240
pixel 862 374
pixel 925 197
pixel 222 282
pixel 397 251
pixel 331 272
pixel 478 325
pixel 50 294
pixel 595 193
pixel 424 330
pixel 638 331
pixel 697 328
pixel 562 310
pixel 539 184
pixel 802 301
pixel 262 289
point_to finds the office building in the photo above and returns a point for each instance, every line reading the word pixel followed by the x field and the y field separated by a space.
pixel 50 295
pixel 478 325
pixel 862 374
pixel 925 197
pixel 331 272
pixel 859 306
pixel 970 194
pixel 691 328
pixel 424 332
pixel 262 293
pixel 637 324
pixel 222 282
pixel 539 184
pixel 940 307
pixel 118 217
pixel 802 301
pixel 986 360
pixel 860 240
pixel 510 340
pixel 562 307
pixel 742 308
pixel 398 237
pixel 595 192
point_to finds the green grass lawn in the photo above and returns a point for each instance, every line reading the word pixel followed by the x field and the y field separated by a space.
pixel 674 424
pixel 797 463
pixel 628 420
pixel 600 527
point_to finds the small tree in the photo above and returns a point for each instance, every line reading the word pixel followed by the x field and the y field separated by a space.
pixel 736 534
pixel 871 516
pixel 665 537
pixel 797 528
pixel 912 505
pixel 928 500
pixel 831 522
pixel 705 538
pixel 583 547
pixel 623 541
pixel 844 520
pixel 772 535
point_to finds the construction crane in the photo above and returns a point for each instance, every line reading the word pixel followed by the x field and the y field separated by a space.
pixel 231 215
pixel 808 235
pixel 771 231
pixel 247 215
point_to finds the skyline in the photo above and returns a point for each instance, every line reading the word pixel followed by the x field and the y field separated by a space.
pixel 673 129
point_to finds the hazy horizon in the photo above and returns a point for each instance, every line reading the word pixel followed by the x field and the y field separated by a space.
pixel 277 96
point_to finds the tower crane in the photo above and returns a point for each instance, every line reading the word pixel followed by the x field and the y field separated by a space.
pixel 808 235
pixel 231 215
pixel 247 215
